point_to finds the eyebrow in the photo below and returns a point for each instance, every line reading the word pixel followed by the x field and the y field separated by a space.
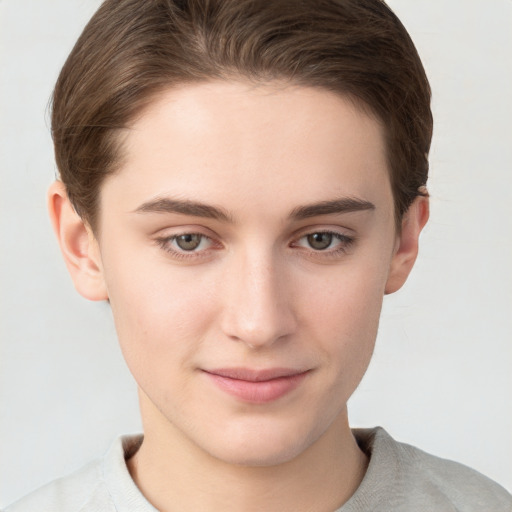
pixel 335 206
pixel 184 207
pixel 197 209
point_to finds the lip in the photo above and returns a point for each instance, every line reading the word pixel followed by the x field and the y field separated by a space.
pixel 257 386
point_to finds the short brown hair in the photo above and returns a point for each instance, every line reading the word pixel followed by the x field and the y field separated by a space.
pixel 132 49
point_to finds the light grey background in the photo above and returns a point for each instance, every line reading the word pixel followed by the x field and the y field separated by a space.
pixel 441 375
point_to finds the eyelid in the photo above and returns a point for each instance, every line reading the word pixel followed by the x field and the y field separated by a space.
pixel 335 234
pixel 167 236
pixel 183 229
pixel 344 236
pixel 322 228
pixel 345 241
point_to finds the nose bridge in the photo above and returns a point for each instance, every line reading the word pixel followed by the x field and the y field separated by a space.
pixel 257 310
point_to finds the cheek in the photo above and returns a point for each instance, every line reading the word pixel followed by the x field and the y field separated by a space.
pixel 348 300
pixel 343 313
pixel 161 315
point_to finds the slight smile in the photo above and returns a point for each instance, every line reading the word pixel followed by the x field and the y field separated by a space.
pixel 257 386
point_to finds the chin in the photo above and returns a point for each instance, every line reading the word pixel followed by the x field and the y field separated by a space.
pixel 259 445
pixel 256 455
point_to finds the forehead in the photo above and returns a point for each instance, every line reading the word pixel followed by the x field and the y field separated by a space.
pixel 237 142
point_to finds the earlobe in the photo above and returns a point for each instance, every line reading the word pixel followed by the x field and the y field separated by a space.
pixel 406 250
pixel 78 245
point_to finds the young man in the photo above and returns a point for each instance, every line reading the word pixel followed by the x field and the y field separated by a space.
pixel 243 181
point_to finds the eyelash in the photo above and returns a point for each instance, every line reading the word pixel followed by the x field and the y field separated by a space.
pixel 165 244
pixel 345 243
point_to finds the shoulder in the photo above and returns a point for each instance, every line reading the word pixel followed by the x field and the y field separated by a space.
pixel 69 494
pixel 409 477
pixel 104 485
pixel 455 483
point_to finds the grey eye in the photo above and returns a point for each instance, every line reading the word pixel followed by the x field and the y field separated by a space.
pixel 189 241
pixel 320 241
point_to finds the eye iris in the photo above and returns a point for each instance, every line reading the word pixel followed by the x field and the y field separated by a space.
pixel 188 242
pixel 320 241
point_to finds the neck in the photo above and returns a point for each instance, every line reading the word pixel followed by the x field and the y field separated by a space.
pixel 175 474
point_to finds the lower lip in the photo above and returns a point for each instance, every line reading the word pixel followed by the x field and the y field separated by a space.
pixel 258 392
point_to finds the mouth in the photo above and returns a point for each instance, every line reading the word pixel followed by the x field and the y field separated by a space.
pixel 257 386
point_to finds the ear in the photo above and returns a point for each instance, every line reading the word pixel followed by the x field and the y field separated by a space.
pixel 406 248
pixel 77 243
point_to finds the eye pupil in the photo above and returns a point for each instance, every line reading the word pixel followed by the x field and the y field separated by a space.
pixel 188 242
pixel 320 241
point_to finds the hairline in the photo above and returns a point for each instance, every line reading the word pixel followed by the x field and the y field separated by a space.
pixel 146 101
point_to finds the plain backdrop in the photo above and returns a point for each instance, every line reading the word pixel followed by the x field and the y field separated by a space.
pixel 441 376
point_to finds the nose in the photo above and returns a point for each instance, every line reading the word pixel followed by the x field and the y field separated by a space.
pixel 257 308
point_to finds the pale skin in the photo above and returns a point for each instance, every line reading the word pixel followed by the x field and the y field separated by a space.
pixel 282 199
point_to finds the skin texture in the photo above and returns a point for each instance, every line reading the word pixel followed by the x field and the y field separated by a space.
pixel 254 294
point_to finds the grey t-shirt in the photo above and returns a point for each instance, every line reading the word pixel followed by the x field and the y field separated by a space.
pixel 399 478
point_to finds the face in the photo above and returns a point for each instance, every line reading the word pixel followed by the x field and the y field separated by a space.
pixel 245 246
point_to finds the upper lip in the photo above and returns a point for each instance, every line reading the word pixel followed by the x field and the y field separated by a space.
pixel 255 375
